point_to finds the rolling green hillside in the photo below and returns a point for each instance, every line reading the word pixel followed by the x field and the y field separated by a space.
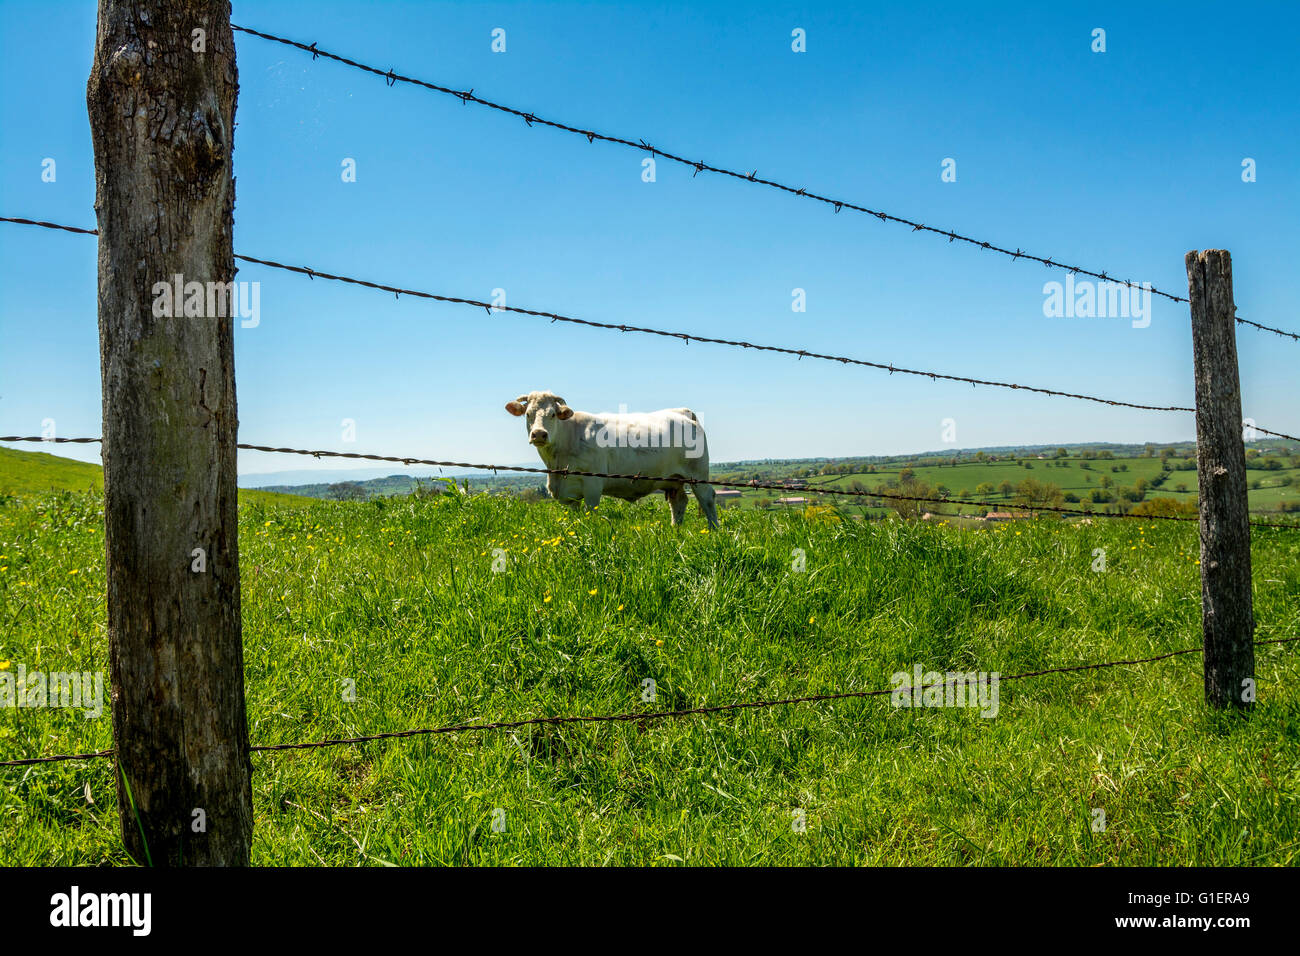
pixel 1269 490
pixel 36 472
pixel 454 609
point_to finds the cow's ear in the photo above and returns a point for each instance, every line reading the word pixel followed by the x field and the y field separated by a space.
pixel 564 412
pixel 516 408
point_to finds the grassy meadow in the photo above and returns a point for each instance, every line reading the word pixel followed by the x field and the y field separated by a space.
pixel 35 472
pixel 400 596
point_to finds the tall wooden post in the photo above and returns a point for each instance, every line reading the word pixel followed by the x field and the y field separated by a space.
pixel 161 99
pixel 1227 614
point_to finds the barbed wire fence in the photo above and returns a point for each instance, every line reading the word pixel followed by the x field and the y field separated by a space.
pixel 641 717
pixel 884 494
pixel 531 119
pixel 686 337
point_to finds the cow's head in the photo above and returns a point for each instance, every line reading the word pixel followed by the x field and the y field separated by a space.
pixel 540 411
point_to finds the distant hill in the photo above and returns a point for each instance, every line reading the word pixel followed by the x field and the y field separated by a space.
pixel 37 472
pixel 1119 450
pixel 29 472
pixel 347 487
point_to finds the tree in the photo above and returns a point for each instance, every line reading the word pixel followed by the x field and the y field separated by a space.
pixel 984 489
pixel 1006 488
pixel 162 121
pixel 347 491
pixel 1164 507
pixel 908 510
pixel 1032 493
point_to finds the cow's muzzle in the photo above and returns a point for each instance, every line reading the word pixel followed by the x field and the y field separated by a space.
pixel 538 437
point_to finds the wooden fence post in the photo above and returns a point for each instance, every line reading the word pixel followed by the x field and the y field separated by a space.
pixel 161 99
pixel 1227 614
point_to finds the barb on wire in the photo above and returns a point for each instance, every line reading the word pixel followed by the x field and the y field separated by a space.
pixel 644 717
pixel 698 166
pixel 751 485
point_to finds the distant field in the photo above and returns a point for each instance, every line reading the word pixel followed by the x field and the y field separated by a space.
pixel 36 472
pixel 1071 475
pixel 401 596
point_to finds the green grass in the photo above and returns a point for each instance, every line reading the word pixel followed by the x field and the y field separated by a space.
pixel 400 596
pixel 36 472
pixel 27 472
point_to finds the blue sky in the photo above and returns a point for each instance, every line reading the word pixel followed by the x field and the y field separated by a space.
pixel 1119 161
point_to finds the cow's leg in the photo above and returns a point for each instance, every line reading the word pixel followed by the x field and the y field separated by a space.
pixel 705 494
pixel 591 489
pixel 677 500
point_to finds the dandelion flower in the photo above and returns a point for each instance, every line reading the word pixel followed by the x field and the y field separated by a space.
pixel 593 591
pixel 659 643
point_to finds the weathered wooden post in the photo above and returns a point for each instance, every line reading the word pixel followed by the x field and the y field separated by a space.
pixel 161 99
pixel 1227 613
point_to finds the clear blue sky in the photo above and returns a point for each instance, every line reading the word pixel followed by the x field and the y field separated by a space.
pixel 1121 161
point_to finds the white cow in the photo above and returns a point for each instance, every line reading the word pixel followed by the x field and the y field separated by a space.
pixel 665 444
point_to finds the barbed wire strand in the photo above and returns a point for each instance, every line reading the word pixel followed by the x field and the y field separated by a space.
pixel 710 340
pixel 683 336
pixel 1274 434
pixel 467 96
pixel 750 485
pixel 642 717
